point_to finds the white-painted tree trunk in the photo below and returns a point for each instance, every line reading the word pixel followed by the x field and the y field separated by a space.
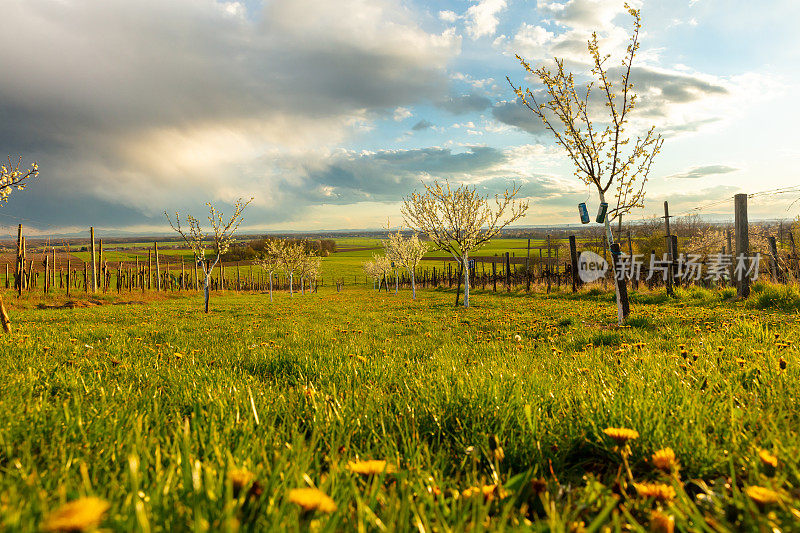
pixel 291 281
pixel 413 287
pixel 270 287
pixel 609 242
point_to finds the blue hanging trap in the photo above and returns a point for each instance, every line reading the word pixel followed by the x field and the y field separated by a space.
pixel 583 212
pixel 601 212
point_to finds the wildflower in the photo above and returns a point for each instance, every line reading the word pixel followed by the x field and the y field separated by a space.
pixel 368 468
pixel 768 459
pixel 496 449
pixel 311 499
pixel 240 479
pixel 665 460
pixel 657 491
pixel 621 435
pixel 762 495
pixel 82 514
pixel 489 492
pixel 661 523
pixel 517 338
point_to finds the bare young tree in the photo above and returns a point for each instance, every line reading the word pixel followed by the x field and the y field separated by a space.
pixel 220 240
pixel 406 252
pixel 11 177
pixel 603 156
pixel 460 221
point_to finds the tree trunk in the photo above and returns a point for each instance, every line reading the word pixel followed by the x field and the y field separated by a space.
pixel 206 293
pixel 6 322
pixel 465 260
pixel 270 287
pixel 291 281
pixel 413 287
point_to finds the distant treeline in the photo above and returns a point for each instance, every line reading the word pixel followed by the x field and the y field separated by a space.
pixel 248 250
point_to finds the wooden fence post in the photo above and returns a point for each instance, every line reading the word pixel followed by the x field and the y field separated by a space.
pixel 158 267
pixel 620 281
pixel 670 255
pixel 94 261
pixel 528 269
pixel 508 272
pixel 794 254
pixel 742 243
pixel 494 273
pixel 773 249
pixel 573 255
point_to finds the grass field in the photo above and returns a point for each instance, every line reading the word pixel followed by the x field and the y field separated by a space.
pixel 182 421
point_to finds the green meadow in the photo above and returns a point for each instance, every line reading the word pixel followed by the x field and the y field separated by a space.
pixel 488 418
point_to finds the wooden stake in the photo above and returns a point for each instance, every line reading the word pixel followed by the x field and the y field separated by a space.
pixel 742 243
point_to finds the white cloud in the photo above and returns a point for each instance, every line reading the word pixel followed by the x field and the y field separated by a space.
pixel 402 113
pixel 448 16
pixel 482 17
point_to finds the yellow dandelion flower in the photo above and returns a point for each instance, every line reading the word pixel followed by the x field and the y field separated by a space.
pixel 311 499
pixel 83 514
pixel 665 460
pixel 240 478
pixel 489 492
pixel 369 468
pixel 762 495
pixel 768 459
pixel 661 523
pixel 657 491
pixel 621 435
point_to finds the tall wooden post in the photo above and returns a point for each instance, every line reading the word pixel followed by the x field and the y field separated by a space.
pixel 158 267
pixel 183 276
pixel 494 273
pixel 742 243
pixel 101 270
pixel 622 293
pixel 670 255
pixel 94 260
pixel 573 255
pixel 528 269
pixel 46 272
pixel 69 275
pixel 508 272
pixel 549 265
pixel 19 267
pixel 773 249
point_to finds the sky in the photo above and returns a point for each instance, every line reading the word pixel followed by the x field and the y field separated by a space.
pixel 329 113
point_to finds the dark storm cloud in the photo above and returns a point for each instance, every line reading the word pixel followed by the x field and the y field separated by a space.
pixel 465 103
pixel 98 92
pixel 422 125
pixel 702 172
pixel 515 114
pixel 389 175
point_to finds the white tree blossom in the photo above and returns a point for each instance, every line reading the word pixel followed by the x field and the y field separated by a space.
pixel 12 177
pixel 406 252
pixel 460 221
